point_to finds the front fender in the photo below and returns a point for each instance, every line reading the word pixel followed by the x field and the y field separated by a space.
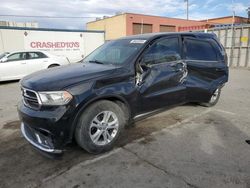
pixel 120 88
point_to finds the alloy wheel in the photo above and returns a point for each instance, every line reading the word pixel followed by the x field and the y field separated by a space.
pixel 214 96
pixel 104 128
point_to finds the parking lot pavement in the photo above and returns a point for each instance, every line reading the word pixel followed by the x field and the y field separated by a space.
pixel 9 95
pixel 188 146
pixel 208 151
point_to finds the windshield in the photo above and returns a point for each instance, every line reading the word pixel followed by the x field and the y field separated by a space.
pixel 3 54
pixel 115 52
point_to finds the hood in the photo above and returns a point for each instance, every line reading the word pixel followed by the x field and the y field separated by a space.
pixel 57 78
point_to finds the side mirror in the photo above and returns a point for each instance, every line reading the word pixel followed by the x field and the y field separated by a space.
pixel 143 64
pixel 143 70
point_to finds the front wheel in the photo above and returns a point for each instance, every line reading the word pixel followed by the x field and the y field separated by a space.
pixel 214 98
pixel 53 65
pixel 99 126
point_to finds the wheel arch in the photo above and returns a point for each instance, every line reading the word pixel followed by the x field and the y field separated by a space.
pixel 114 98
pixel 53 65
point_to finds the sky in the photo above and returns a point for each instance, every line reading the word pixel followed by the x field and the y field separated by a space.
pixel 198 10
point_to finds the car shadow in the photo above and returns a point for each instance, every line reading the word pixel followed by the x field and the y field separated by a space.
pixel 8 82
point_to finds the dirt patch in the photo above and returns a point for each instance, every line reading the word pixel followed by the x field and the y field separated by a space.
pixel 18 159
pixel 34 168
pixel 147 140
pixel 13 125
pixel 211 121
pixel 76 186
pixel 147 126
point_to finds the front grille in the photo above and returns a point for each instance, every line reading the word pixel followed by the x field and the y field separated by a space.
pixel 30 98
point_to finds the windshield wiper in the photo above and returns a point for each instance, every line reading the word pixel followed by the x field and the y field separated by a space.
pixel 96 61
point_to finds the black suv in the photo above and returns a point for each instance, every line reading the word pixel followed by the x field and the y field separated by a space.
pixel 121 81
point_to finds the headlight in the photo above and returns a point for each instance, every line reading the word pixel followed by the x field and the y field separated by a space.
pixel 55 97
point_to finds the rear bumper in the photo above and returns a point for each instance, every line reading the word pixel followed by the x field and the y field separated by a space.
pixel 38 140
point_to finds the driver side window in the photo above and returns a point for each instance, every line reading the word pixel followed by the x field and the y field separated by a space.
pixel 16 57
pixel 162 51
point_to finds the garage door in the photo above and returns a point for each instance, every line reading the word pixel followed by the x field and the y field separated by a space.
pixel 167 28
pixel 139 28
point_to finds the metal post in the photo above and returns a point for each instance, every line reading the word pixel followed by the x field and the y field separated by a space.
pixel 247 51
pixel 226 35
pixel 233 15
pixel 232 35
pixel 248 12
pixel 232 47
pixel 240 47
pixel 187 8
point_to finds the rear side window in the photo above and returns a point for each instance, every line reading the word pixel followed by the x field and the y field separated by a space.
pixel 41 55
pixel 220 49
pixel 199 50
pixel 164 50
pixel 35 55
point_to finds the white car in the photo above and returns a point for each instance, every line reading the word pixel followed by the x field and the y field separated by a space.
pixel 15 65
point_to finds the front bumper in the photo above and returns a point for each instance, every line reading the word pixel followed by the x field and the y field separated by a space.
pixel 47 129
pixel 38 140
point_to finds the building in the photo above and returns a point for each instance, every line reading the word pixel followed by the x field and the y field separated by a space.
pixel 130 24
pixel 228 20
pixel 19 24
pixel 73 44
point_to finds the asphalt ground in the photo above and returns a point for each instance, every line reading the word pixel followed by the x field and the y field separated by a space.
pixel 187 146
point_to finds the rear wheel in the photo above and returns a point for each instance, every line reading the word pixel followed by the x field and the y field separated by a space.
pixel 99 126
pixel 214 98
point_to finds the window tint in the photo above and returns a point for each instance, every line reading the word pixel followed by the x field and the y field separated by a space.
pixel 164 50
pixel 35 55
pixel 16 57
pixel 116 52
pixel 220 49
pixel 199 50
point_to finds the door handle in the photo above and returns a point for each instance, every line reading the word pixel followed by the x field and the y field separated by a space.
pixel 23 63
pixel 219 70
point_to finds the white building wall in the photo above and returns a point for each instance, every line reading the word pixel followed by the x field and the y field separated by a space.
pixel 71 44
pixel 11 40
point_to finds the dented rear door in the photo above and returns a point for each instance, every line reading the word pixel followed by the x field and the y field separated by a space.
pixel 206 66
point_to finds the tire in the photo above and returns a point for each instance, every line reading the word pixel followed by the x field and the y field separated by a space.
pixel 214 98
pixel 92 132
pixel 53 65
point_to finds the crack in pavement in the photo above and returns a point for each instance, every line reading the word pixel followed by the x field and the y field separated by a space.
pixel 82 164
pixel 135 141
pixel 162 169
